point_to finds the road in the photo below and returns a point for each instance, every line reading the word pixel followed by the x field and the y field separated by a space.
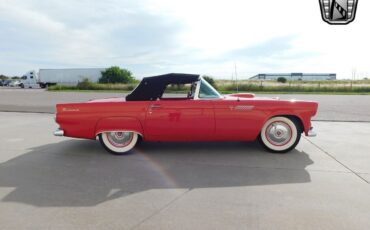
pixel 332 107
pixel 49 182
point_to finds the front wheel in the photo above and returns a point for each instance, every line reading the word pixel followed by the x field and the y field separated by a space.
pixel 280 134
pixel 118 143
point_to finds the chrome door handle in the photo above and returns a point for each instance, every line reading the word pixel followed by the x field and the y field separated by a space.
pixel 155 106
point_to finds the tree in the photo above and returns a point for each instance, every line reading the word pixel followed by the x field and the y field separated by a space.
pixel 3 77
pixel 210 80
pixel 115 74
pixel 281 79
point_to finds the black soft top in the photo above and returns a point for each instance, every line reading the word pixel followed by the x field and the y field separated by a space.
pixel 152 88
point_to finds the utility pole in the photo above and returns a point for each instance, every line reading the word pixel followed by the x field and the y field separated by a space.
pixel 354 74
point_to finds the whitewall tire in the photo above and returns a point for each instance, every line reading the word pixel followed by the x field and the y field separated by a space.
pixel 118 142
pixel 280 134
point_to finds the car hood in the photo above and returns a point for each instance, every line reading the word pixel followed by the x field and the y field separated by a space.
pixel 247 96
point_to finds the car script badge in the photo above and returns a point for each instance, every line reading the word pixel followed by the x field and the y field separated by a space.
pixel 338 12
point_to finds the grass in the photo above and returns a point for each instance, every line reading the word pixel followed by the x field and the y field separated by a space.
pixel 259 87
pixel 88 86
pixel 295 92
pixel 295 88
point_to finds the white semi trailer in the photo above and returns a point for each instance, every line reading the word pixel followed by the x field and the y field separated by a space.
pixel 47 77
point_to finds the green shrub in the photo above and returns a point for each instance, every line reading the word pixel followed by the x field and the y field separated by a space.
pixel 3 77
pixel 281 80
pixel 61 87
pixel 115 74
pixel 85 84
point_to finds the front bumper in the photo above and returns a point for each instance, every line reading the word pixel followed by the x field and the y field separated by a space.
pixel 311 133
pixel 59 133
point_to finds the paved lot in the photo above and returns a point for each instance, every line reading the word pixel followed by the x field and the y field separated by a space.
pixel 59 183
pixel 39 100
pixel 332 107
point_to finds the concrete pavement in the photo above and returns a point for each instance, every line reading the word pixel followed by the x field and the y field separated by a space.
pixel 48 182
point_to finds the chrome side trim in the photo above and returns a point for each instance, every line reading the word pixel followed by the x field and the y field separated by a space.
pixel 59 133
pixel 242 107
pixel 311 133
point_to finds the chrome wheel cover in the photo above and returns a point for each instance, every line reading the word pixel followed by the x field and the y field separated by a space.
pixel 119 139
pixel 278 133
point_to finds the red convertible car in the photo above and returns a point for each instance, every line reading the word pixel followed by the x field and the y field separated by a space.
pixel 153 113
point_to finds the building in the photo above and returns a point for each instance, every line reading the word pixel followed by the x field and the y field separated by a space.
pixel 296 76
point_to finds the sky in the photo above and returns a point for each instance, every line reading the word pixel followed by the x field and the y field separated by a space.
pixel 151 37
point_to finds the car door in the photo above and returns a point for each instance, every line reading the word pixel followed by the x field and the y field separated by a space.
pixel 237 119
pixel 183 119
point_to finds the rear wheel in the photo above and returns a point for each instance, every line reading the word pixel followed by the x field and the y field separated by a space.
pixel 118 143
pixel 280 134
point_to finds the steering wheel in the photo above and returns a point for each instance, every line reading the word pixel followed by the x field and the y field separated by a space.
pixel 189 94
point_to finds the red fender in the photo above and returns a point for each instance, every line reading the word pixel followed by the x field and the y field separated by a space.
pixel 118 124
pixel 303 117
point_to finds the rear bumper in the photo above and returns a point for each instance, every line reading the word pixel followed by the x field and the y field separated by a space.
pixel 311 133
pixel 59 133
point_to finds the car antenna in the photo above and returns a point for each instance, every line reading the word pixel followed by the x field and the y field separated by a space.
pixel 236 79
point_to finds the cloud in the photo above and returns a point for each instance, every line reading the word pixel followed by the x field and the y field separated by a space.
pixel 160 36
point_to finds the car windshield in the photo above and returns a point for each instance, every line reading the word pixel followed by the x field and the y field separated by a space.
pixel 207 91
